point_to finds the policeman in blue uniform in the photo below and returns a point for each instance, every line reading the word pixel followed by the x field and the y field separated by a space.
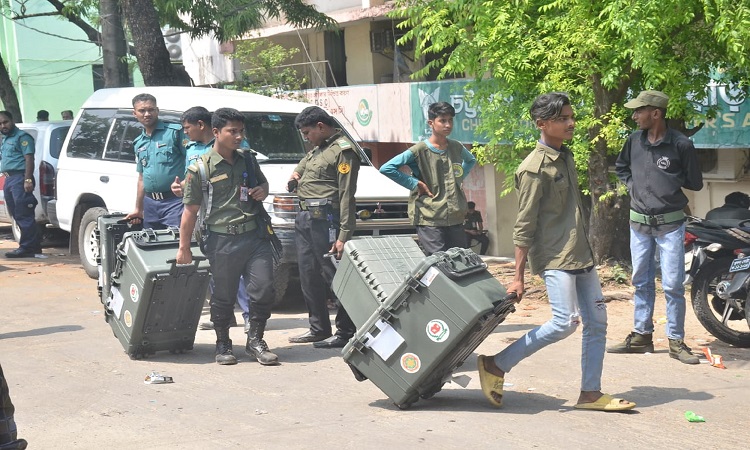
pixel 160 157
pixel 17 152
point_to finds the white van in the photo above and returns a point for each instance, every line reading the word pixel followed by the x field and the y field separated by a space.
pixel 96 172
pixel 48 139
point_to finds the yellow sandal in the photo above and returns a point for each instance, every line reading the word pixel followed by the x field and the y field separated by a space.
pixel 490 383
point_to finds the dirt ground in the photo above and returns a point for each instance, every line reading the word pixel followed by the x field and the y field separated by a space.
pixel 618 295
pixel 74 387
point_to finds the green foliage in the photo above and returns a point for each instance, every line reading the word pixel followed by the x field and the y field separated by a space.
pixel 230 19
pixel 601 52
pixel 265 76
pixel 619 274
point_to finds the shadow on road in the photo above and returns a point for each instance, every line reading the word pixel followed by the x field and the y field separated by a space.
pixel 473 400
pixel 646 396
pixel 41 331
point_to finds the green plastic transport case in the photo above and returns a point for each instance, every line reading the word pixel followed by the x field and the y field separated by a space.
pixel 154 303
pixel 110 230
pixel 427 327
pixel 370 269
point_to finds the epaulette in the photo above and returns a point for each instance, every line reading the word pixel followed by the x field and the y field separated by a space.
pixel 344 144
pixel 174 126
pixel 533 162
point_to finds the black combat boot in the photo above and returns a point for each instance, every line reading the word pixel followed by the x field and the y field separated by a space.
pixel 224 355
pixel 8 434
pixel 257 347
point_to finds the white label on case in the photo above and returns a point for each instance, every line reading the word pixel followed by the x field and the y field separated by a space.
pixel 387 341
pixel 437 330
pixel 116 301
pixel 429 276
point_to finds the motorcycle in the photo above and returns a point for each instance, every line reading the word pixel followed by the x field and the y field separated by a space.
pixel 711 247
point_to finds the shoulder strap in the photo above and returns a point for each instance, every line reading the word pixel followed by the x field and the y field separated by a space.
pixel 207 188
pixel 249 158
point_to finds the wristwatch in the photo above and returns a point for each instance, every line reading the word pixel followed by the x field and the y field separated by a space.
pixel 28 180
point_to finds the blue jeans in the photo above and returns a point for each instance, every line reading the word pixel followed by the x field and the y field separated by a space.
pixel 574 298
pixel 672 259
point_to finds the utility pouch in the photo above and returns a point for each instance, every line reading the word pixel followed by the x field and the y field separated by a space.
pixel 318 208
pixel 263 220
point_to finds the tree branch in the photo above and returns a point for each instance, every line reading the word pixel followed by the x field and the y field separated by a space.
pixel 28 16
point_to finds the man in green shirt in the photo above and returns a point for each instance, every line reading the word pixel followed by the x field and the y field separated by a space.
pixel 236 246
pixel 438 166
pixel 325 180
pixel 551 232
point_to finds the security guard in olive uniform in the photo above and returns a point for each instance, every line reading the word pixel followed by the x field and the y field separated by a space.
pixel 196 124
pixel 236 245
pixel 17 158
pixel 325 180
pixel 160 157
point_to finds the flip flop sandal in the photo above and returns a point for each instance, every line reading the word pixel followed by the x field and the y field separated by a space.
pixel 606 403
pixel 490 383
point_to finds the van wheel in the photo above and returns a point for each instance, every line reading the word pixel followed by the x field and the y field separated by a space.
pixel 88 242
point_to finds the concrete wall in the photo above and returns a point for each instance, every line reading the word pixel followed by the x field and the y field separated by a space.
pixel 359 69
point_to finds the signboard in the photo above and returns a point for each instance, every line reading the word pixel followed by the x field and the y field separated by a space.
pixel 356 107
pixel 731 127
pixel 451 91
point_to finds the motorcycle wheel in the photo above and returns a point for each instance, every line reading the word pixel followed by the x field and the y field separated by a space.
pixel 709 307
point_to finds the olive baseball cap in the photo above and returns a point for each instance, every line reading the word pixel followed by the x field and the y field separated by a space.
pixel 657 99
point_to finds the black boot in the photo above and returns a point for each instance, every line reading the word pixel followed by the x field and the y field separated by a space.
pixel 257 347
pixel 224 355
pixel 8 435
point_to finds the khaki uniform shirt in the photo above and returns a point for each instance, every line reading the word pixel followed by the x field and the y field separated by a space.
pixel 330 171
pixel 226 180
pixel 551 221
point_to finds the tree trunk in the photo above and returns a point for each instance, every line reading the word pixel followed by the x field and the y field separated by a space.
pixel 151 51
pixel 114 47
pixel 8 93
pixel 609 231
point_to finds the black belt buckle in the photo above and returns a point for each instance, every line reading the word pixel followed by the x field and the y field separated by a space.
pixel 656 220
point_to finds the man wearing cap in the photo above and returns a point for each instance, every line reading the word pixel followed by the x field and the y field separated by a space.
pixel 655 163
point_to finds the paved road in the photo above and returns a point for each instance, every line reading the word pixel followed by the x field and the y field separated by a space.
pixel 75 388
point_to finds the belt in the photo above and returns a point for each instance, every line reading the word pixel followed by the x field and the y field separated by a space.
pixel 234 229
pixel 14 172
pixel 161 195
pixel 304 206
pixel 659 219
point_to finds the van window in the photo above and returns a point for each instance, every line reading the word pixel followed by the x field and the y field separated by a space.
pixel 275 136
pixel 89 134
pixel 56 139
pixel 120 145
